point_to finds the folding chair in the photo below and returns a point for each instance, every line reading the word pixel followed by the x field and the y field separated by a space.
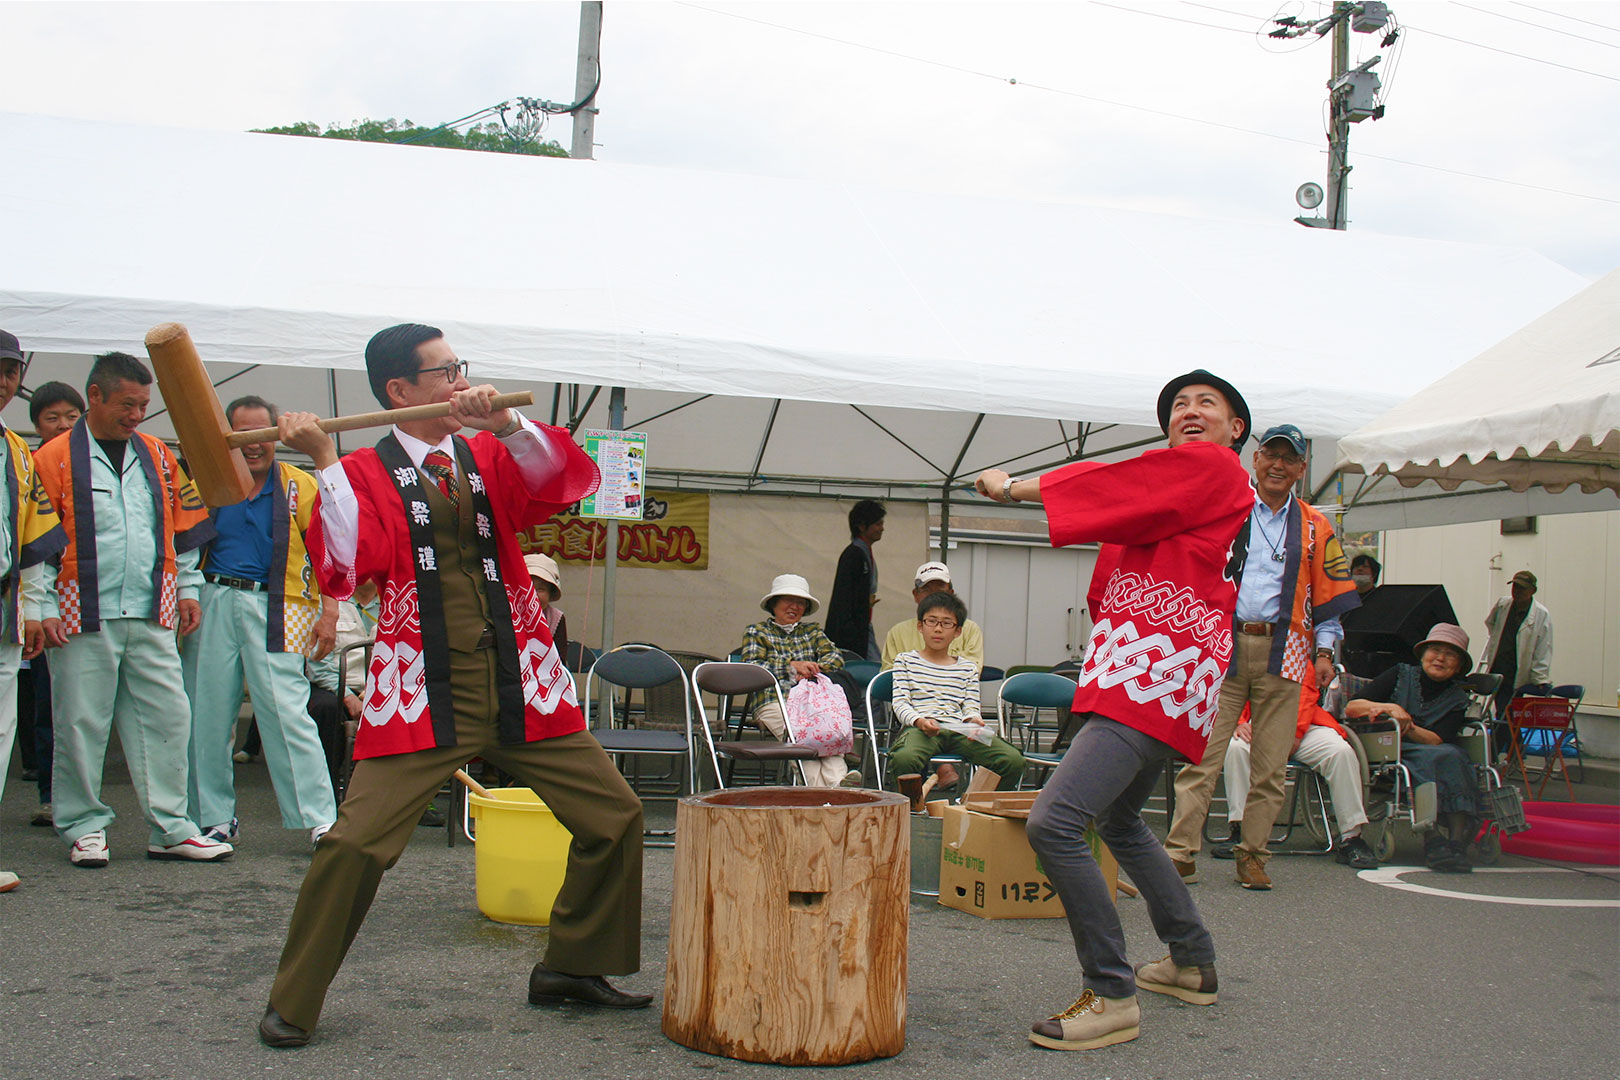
pixel 639 667
pixel 727 679
pixel 1037 690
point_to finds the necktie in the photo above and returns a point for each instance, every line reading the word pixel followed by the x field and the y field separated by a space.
pixel 438 465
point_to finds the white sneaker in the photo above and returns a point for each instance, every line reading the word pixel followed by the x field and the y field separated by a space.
pixel 8 881
pixel 319 831
pixel 89 850
pixel 242 757
pixel 194 849
pixel 224 834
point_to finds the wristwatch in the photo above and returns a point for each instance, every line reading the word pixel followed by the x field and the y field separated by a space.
pixel 1006 489
pixel 512 426
pixel 1324 652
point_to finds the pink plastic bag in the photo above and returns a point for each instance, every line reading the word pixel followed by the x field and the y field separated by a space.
pixel 818 715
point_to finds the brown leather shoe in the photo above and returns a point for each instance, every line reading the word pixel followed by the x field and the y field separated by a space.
pixel 1251 872
pixel 547 987
pixel 1188 871
pixel 274 1031
pixel 948 776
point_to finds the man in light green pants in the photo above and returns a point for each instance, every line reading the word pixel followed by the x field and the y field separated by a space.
pixel 261 610
pixel 127 581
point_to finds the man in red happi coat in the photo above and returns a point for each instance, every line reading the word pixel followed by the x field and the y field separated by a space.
pixel 464 667
pixel 1149 689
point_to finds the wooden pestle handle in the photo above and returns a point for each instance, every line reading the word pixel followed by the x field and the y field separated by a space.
pixel 238 439
pixel 472 785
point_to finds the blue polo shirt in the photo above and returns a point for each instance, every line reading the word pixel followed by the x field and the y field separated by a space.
pixel 242 548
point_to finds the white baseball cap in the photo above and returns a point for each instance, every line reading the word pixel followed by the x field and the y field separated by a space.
pixel 932 571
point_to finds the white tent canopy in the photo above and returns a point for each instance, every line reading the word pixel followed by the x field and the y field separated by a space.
pixel 967 331
pixel 1530 426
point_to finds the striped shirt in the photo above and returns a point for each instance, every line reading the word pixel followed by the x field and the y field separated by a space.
pixel 946 693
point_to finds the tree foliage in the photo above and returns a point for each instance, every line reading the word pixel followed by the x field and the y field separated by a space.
pixel 488 137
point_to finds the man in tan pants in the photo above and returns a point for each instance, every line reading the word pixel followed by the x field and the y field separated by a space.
pixel 1294 583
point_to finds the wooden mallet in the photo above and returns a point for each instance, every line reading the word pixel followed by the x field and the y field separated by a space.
pixel 213 452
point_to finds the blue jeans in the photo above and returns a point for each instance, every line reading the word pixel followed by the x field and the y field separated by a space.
pixel 1104 779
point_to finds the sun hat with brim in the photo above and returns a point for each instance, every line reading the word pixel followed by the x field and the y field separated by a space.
pixel 1200 377
pixel 789 585
pixel 1446 634
pixel 544 568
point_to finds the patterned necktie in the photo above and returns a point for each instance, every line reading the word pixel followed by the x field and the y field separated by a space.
pixel 438 465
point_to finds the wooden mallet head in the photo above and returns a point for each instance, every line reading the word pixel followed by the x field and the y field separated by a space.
pixel 218 469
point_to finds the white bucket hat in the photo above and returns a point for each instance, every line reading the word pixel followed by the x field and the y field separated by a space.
pixel 789 585
pixel 544 568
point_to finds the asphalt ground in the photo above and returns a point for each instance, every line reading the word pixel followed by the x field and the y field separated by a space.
pixel 161 970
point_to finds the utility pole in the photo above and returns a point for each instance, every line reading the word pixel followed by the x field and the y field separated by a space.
pixel 1338 187
pixel 587 77
pixel 1352 98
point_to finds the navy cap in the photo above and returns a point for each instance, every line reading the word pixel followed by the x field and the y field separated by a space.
pixel 10 347
pixel 1200 377
pixel 1288 432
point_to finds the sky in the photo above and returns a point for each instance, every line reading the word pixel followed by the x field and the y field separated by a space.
pixel 1494 130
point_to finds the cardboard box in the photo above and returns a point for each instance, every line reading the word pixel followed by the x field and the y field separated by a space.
pixel 986 866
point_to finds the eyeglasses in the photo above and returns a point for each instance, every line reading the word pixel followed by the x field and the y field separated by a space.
pixel 1287 457
pixel 452 371
pixel 939 624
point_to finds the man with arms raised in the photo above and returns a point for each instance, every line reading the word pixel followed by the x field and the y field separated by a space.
pixel 464 667
pixel 1149 689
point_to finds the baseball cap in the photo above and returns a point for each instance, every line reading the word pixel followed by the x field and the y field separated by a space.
pixel 1288 432
pixel 10 347
pixel 1525 578
pixel 932 571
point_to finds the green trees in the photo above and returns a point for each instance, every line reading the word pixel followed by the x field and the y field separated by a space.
pixel 491 137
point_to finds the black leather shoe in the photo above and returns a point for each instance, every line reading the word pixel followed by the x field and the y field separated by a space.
pixel 274 1031
pixel 547 987
pixel 1227 849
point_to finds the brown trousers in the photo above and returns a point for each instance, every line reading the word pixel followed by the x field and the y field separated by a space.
pixel 596 920
pixel 1274 712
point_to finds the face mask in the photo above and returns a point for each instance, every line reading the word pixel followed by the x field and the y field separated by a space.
pixel 1361 579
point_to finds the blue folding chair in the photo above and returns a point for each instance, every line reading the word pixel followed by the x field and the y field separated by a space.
pixel 1036 690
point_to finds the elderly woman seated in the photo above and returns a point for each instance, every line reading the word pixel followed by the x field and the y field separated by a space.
pixel 794 649
pixel 1429 702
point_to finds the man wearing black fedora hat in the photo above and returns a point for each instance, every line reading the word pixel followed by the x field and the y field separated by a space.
pixel 1161 601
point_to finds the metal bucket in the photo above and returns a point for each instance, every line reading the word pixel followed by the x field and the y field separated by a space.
pixel 927 832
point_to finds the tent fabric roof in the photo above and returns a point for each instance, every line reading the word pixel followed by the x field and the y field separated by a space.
pixel 289 251
pixel 1540 408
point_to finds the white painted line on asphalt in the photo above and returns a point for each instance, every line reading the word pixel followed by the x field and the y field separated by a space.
pixel 1390 877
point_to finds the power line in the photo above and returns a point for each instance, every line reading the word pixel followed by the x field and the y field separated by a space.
pixel 1227 11
pixel 1172 18
pixel 1136 108
pixel 1571 18
pixel 1510 52
pixel 1538 26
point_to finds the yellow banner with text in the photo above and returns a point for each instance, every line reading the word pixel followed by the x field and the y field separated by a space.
pixel 673 534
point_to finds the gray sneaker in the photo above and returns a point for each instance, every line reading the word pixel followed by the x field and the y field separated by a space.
pixel 1195 985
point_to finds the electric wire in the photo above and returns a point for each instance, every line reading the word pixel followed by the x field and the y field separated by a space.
pixel 1572 18
pixel 1538 26
pixel 1510 52
pixel 1143 108
pixel 1172 18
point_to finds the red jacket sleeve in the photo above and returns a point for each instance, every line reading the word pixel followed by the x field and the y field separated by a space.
pixel 1146 499
pixel 575 477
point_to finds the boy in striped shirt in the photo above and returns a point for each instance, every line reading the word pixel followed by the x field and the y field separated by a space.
pixel 936 697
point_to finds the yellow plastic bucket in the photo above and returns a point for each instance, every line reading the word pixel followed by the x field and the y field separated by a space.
pixel 522 856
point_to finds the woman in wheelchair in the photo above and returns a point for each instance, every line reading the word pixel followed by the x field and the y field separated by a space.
pixel 1429 702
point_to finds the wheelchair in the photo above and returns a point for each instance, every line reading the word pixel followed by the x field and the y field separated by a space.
pixel 1390 796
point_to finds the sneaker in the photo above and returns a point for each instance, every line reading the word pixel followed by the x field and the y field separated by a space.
pixel 319 831
pixel 89 850
pixel 432 818
pixel 1251 872
pixel 194 849
pixel 1089 1023
pixel 242 757
pixel 42 816
pixel 1195 985
pixel 1188 871
pixel 8 881
pixel 851 779
pixel 1355 853
pixel 223 834
pixel 1227 849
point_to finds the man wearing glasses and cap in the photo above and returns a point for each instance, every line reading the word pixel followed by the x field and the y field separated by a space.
pixel 1294 584
pixel 1161 601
